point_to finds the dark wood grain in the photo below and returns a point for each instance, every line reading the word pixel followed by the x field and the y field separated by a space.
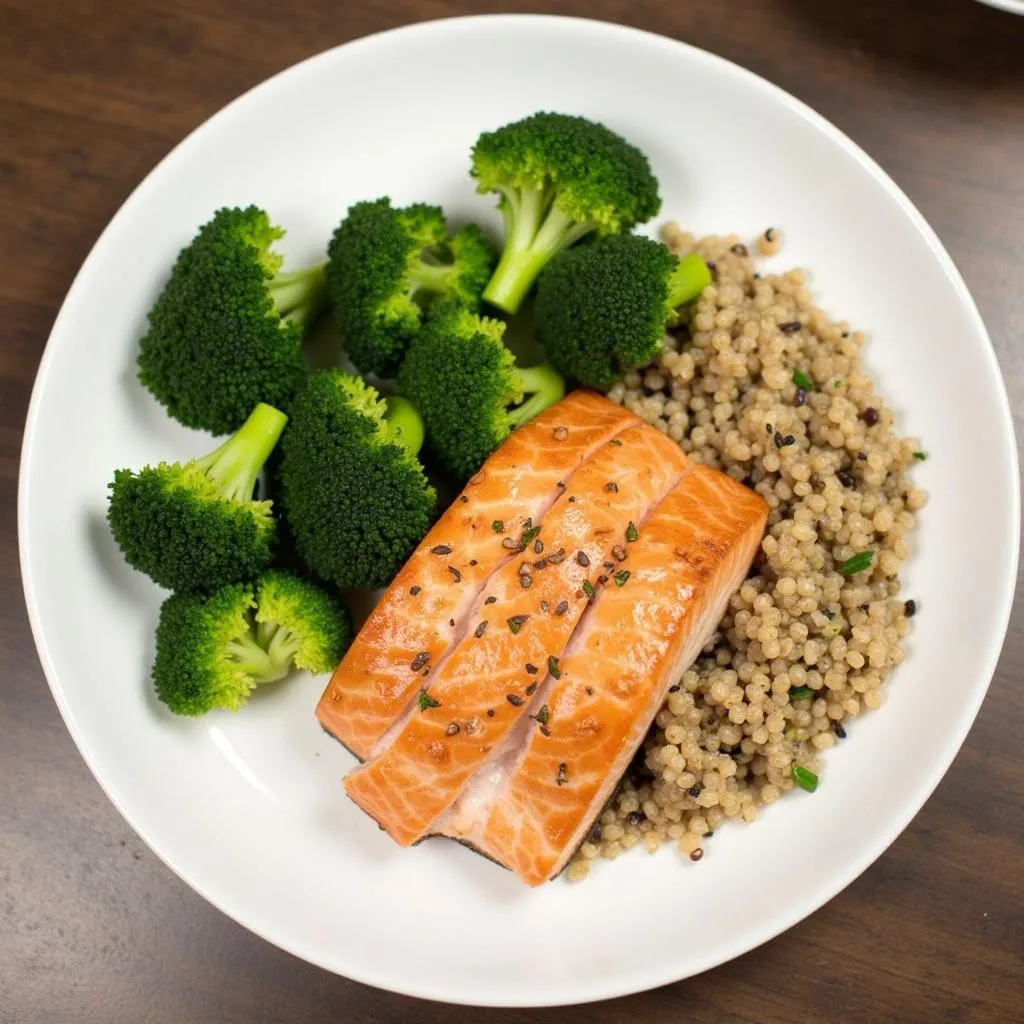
pixel 92 927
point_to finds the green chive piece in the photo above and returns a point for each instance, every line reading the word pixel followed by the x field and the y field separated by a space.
pixel 805 778
pixel 621 577
pixel 426 701
pixel 516 622
pixel 543 715
pixel 556 672
pixel 498 526
pixel 588 588
pixel 631 531
pixel 801 693
pixel 857 563
pixel 528 535
pixel 801 380
pixel 920 456
pixel 837 383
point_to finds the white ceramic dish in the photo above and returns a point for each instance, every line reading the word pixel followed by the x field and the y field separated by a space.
pixel 247 808
pixel 1013 6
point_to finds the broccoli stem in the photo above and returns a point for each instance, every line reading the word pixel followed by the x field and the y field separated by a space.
pixel 298 296
pixel 254 661
pixel 236 464
pixel 688 280
pixel 535 230
pixel 430 277
pixel 403 425
pixel 544 385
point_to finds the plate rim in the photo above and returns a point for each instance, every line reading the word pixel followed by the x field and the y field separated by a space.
pixel 779 924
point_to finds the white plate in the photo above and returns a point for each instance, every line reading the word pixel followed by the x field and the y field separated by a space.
pixel 247 808
pixel 1013 6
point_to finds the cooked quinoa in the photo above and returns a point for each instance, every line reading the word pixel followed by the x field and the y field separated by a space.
pixel 837 478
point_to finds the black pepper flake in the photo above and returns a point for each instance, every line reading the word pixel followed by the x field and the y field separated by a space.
pixel 619 552
pixel 572 499
pixel 426 701
pixel 563 774
pixel 634 818
pixel 414 590
pixel 510 544
pixel 480 629
pixel 800 398
pixel 694 791
pixel 538 546
pixel 757 277
pixel 419 661
pixel 544 606
pixel 631 531
pixel 463 498
pixel 602 579
pixel 769 428
pixel 615 441
pixel 710 265
pixel 582 559
pixel 490 712
pixel 863 456
pixel 530 668
pixel 490 600
pixel 516 622
pixel 525 580
pixel 612 486
pixel 846 478
pixel 441 549
pixel 541 563
pixel 453 728
pixel 697 855
pixel 556 672
pixel 595 832
pixel 561 486
pixel 778 439
pixel 829 614
pixel 788 440
pixel 456 575
pixel 589 691
pixel 560 433
pixel 555 557
pixel 621 577
pixel 531 689
pixel 545 731
pixel 562 607
pixel 608 565
pixel 451 622
pixel 770 235
pixel 472 561
pixel 514 699
pixel 869 416
pixel 910 608
pixel 588 589
pixel 740 249
pixel 498 526
pixel 840 731
pixel 790 327
pixel 674 688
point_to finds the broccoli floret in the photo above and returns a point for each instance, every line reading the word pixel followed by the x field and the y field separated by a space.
pixel 213 651
pixel 602 308
pixel 560 178
pixel 352 489
pixel 194 525
pixel 470 392
pixel 226 331
pixel 388 267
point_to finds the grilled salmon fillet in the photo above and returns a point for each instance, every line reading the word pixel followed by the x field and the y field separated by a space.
pixel 422 615
pixel 516 634
pixel 535 806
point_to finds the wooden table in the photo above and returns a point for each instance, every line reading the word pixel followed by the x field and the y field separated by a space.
pixel 92 927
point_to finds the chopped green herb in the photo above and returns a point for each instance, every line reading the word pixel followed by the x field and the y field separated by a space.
pixel 588 588
pixel 556 672
pixel 920 456
pixel 621 577
pixel 801 380
pixel 516 622
pixel 805 778
pixel 857 563
pixel 631 531
pixel 498 526
pixel 543 715
pixel 426 701
pixel 801 693
pixel 837 383
pixel 528 535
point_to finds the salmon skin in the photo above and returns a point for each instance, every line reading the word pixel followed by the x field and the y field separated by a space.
pixel 535 807
pixel 516 634
pixel 422 615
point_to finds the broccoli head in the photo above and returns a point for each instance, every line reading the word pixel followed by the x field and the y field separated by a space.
pixel 388 267
pixel 212 651
pixel 194 525
pixel 352 489
pixel 226 331
pixel 603 308
pixel 559 178
pixel 470 392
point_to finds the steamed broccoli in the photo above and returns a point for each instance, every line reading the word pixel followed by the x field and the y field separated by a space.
pixel 603 308
pixel 387 267
pixel 195 525
pixel 226 331
pixel 352 489
pixel 213 651
pixel 470 392
pixel 560 178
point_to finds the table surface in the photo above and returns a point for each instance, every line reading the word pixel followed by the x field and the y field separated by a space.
pixel 92 95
